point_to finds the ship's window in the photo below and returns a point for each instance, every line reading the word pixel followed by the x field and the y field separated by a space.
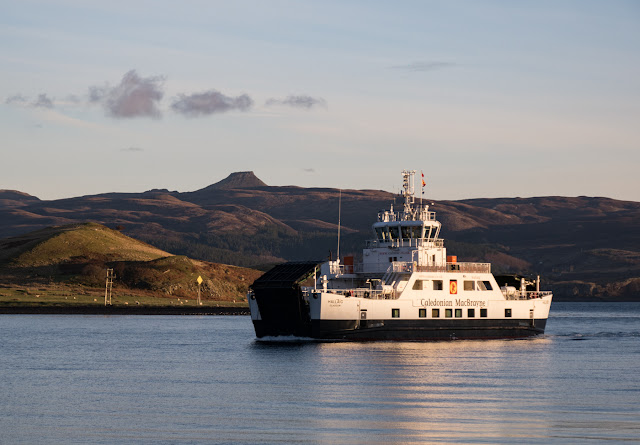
pixel 406 232
pixel 507 312
pixel 437 284
pixel 469 285
pixel 416 232
pixel 422 313
pixel 435 313
pixel 417 285
pixel 448 313
pixel 380 233
pixel 427 232
pixel 471 313
pixel 395 313
pixel 484 285
pixel 458 313
pixel 483 313
pixel 393 232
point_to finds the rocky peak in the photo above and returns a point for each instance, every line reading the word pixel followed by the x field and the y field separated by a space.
pixel 239 180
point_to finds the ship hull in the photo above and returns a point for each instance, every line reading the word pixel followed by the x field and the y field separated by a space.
pixel 401 330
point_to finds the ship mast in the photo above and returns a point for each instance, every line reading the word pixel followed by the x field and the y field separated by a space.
pixel 408 180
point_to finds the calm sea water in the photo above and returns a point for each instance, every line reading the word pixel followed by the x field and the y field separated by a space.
pixel 192 379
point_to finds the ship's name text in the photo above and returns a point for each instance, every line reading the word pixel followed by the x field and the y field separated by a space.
pixel 468 302
pixel 458 302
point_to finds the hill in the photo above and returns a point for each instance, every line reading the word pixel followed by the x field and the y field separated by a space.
pixel 79 254
pixel 585 247
pixel 72 243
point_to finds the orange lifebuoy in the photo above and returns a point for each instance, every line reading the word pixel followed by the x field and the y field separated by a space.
pixel 453 287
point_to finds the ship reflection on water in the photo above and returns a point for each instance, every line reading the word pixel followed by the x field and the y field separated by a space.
pixel 401 392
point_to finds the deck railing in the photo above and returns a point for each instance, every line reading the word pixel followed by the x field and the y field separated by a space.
pixel 409 267
pixel 405 242
pixel 457 267
pixel 374 294
pixel 526 295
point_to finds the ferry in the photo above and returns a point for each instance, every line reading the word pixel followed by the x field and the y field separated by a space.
pixel 405 287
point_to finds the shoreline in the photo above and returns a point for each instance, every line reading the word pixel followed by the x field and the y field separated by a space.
pixel 123 310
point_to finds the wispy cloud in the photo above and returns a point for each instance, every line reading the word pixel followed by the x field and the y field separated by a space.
pixel 210 102
pixel 132 149
pixel 425 66
pixel 298 101
pixel 135 96
pixel 42 102
pixel 17 99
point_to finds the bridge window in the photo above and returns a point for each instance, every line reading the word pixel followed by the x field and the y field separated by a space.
pixel 484 285
pixel 406 232
pixel 393 233
pixel 427 232
pixel 395 313
pixel 435 313
pixel 437 284
pixel 422 313
pixel 469 285
pixel 380 233
pixel 418 285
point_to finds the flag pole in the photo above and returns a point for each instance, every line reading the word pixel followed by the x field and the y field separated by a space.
pixel 422 192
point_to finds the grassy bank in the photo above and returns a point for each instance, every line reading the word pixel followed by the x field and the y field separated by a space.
pixel 65 299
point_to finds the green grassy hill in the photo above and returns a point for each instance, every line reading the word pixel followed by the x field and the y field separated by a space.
pixel 78 256
pixel 74 242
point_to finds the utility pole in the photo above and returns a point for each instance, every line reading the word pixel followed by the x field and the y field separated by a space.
pixel 108 286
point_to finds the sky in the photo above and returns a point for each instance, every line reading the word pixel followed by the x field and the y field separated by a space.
pixel 486 98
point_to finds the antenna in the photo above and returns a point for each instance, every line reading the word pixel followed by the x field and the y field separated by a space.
pixel 339 215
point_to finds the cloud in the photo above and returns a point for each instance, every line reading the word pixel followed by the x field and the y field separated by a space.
pixel 424 66
pixel 302 101
pixel 43 102
pixel 74 99
pixel 17 99
pixel 210 102
pixel 132 149
pixel 133 97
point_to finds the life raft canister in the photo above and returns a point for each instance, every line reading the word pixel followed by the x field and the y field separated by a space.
pixel 453 287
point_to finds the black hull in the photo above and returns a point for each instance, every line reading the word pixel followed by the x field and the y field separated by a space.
pixel 402 330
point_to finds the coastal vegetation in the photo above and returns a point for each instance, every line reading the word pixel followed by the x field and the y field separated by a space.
pixel 67 266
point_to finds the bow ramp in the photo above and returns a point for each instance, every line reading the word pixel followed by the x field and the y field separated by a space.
pixel 281 306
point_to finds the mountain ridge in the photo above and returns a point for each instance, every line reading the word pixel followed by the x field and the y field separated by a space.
pixel 571 241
